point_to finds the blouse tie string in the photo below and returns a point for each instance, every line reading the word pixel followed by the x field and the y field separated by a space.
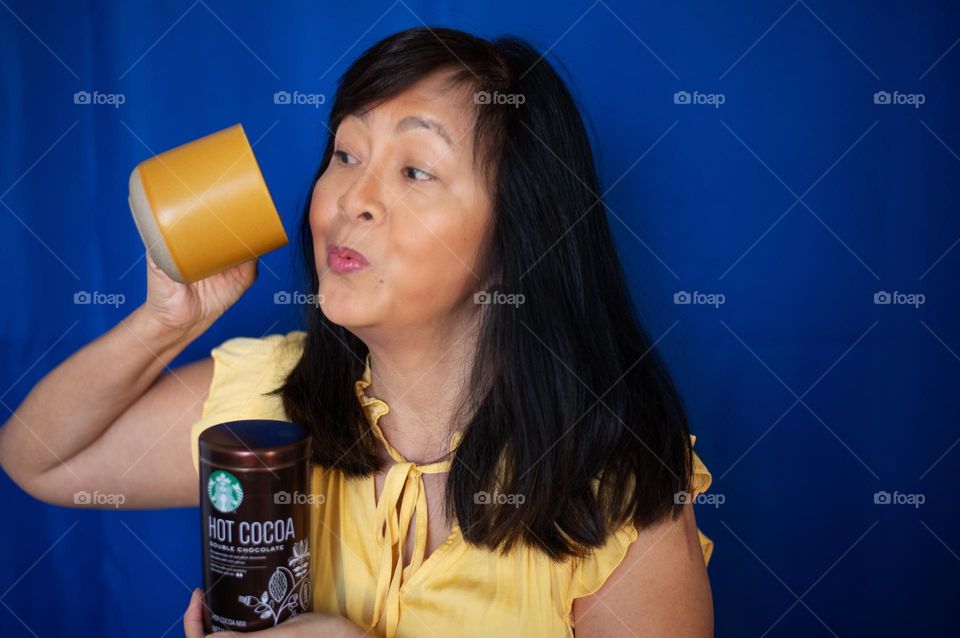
pixel 402 497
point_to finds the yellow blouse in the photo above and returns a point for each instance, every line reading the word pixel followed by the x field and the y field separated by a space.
pixel 356 543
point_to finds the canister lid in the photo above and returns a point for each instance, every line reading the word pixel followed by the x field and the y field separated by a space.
pixel 254 444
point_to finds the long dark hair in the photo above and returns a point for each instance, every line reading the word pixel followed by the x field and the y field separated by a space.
pixel 569 404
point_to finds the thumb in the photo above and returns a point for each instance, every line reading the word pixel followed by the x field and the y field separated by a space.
pixel 152 263
pixel 193 617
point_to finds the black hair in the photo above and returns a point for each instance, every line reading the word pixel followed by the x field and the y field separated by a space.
pixel 569 404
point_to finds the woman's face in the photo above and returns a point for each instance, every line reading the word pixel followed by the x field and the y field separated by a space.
pixel 402 190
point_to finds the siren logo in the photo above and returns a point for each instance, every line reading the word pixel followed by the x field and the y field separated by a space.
pixel 225 491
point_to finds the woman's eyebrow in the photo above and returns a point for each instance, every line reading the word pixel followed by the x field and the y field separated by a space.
pixel 416 122
pixel 411 122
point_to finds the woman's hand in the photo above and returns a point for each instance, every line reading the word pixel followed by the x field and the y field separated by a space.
pixel 182 306
pixel 307 625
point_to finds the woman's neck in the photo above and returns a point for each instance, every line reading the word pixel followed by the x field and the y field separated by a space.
pixel 424 383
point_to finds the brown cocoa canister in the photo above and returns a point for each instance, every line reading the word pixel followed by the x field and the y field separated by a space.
pixel 254 503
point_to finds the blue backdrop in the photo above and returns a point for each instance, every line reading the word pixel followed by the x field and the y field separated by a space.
pixel 787 162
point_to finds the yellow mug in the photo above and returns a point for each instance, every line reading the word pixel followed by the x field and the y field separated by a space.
pixel 203 207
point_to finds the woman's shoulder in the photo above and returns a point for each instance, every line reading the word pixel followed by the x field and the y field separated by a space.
pixel 262 363
pixel 585 576
pixel 254 350
pixel 245 371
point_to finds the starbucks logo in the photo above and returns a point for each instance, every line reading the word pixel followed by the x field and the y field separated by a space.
pixel 225 491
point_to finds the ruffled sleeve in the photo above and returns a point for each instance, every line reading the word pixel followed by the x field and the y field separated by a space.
pixel 700 483
pixel 590 573
pixel 244 368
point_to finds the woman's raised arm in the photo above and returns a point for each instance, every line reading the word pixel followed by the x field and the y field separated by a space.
pixel 109 427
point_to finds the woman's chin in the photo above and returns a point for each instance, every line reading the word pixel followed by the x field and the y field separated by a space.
pixel 345 312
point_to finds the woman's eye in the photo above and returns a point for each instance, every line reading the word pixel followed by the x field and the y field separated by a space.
pixel 343 157
pixel 416 174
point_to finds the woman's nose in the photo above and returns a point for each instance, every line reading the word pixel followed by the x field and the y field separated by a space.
pixel 362 201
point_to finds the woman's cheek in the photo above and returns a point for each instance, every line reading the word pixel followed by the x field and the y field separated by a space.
pixel 319 219
pixel 430 284
pixel 323 201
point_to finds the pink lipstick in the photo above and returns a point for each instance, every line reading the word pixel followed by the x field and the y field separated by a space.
pixel 345 260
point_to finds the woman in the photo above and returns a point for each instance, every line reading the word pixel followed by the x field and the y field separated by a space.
pixel 497 445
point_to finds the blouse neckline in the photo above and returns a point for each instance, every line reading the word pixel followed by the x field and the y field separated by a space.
pixel 402 497
pixel 375 408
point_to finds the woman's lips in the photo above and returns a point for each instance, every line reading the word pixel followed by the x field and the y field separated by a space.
pixel 345 260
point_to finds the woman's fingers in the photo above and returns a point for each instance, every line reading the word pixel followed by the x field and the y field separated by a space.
pixel 193 617
pixel 193 622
